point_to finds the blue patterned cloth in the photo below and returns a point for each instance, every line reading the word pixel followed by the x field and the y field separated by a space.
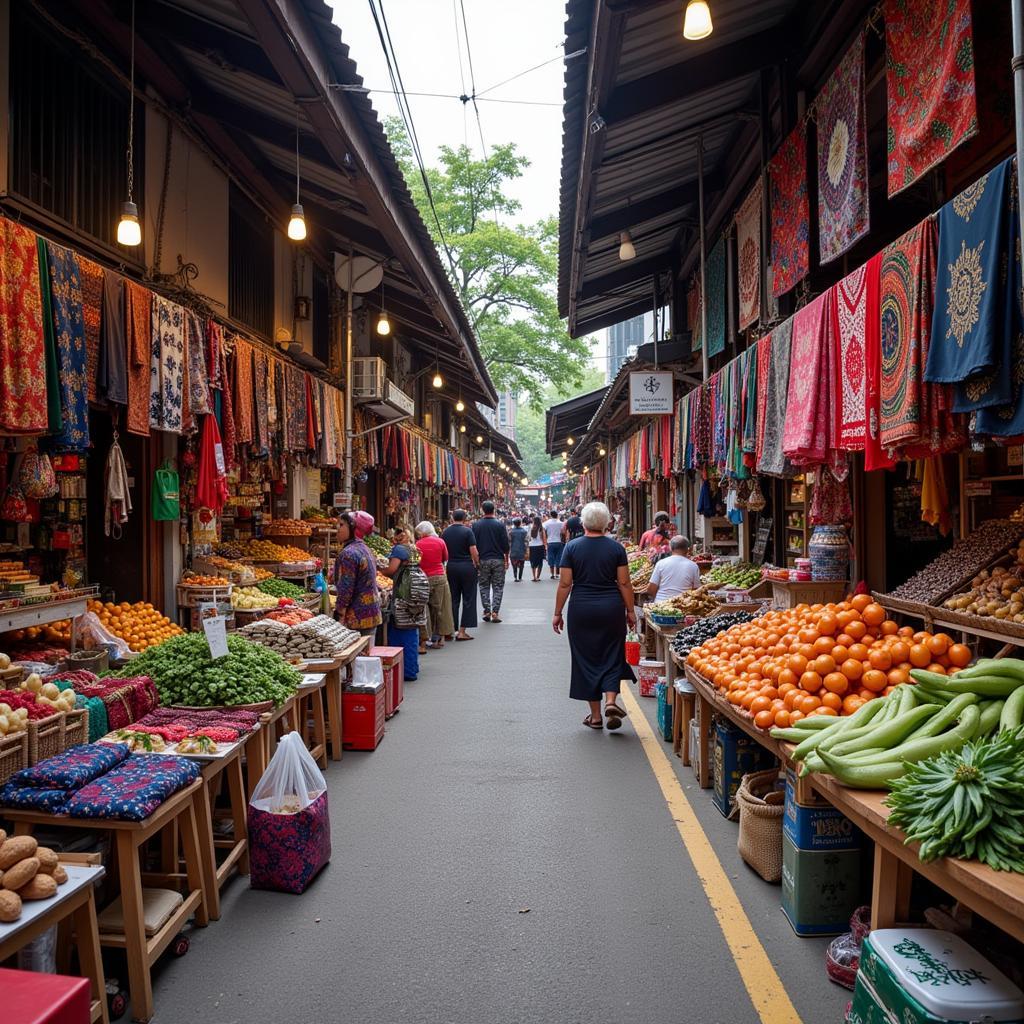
pixel 714 275
pixel 974 300
pixel 73 768
pixel 69 337
pixel 134 789
pixel 31 798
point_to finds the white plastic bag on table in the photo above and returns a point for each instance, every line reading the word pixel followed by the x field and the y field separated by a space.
pixel 292 780
pixel 92 633
pixel 367 674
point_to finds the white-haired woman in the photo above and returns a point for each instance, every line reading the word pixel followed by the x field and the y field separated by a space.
pixel 433 556
pixel 595 571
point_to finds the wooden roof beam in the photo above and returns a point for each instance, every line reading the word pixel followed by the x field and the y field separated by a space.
pixel 629 273
pixel 629 216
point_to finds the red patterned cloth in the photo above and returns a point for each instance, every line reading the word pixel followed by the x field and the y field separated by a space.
pixel 849 308
pixel 139 323
pixel 243 396
pixel 693 318
pixel 126 700
pixel 22 354
pixel 787 176
pixel 930 83
pixel 91 276
pixel 875 456
pixel 807 438
pixel 764 356
pixel 748 249
pixel 843 209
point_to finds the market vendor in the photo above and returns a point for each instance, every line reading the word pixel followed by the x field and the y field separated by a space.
pixel 355 575
pixel 675 574
pixel 656 540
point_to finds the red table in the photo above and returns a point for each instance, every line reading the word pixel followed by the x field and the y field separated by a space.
pixel 31 998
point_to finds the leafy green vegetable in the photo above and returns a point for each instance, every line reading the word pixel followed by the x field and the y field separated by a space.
pixel 280 588
pixel 184 673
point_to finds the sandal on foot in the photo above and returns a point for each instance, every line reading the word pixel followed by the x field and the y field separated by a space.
pixel 494 618
pixel 459 639
pixel 614 711
pixel 591 724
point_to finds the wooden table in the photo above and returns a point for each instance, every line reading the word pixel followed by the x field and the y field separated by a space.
pixel 74 904
pixel 254 751
pixel 663 636
pixel 275 723
pixel 333 688
pixel 310 718
pixel 140 950
pixel 684 706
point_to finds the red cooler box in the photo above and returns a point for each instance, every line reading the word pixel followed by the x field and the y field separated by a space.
pixel 392 660
pixel 362 717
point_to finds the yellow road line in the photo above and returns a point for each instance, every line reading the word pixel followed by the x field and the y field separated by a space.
pixel 763 984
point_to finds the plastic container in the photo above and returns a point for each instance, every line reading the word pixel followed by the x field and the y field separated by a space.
pixel 664 710
pixel 820 890
pixel 648 674
pixel 924 976
pixel 392 661
pixel 362 718
pixel 632 649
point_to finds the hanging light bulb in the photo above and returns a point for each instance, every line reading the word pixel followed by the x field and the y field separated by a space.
pixel 460 405
pixel 568 441
pixel 297 221
pixel 129 231
pixel 697 20
pixel 383 324
pixel 438 380
pixel 462 428
pixel 479 439
pixel 626 248
pixel 602 452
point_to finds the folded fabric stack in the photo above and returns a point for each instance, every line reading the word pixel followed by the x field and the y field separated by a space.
pixel 97 716
pixel 126 700
pixel 99 781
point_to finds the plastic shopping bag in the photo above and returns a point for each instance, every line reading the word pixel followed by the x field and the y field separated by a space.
pixel 289 827
pixel 93 634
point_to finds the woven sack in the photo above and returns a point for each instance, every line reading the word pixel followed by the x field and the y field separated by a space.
pixel 760 837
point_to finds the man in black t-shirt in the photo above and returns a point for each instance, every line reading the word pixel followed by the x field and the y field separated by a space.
pixel 573 526
pixel 493 546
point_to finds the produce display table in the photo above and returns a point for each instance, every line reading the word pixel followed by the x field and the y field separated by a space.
pixel 42 612
pixel 997 896
pixel 663 644
pixel 129 837
pixel 709 700
pixel 277 722
pixel 74 905
pixel 684 706
pixel 310 719
pixel 333 688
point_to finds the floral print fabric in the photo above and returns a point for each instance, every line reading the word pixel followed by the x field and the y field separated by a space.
pixel 69 338
pixel 748 254
pixel 198 379
pixel 843 212
pixel 134 789
pixel 286 851
pixel 791 232
pixel 932 105
pixel 167 366
pixel 22 348
pixel 91 276
pixel 73 768
pixel 850 310
pixel 807 435
pixel 138 315
pixel 355 580
pixel 243 397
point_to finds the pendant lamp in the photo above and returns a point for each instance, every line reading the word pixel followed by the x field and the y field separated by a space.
pixel 697 20
pixel 129 231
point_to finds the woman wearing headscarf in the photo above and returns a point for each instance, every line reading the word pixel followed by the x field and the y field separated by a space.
pixel 406 637
pixel 595 571
pixel 357 604
pixel 433 556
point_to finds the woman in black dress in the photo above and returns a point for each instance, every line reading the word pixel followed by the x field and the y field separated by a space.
pixel 595 570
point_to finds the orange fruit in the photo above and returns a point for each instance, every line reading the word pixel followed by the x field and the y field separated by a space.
pixel 880 659
pixel 784 688
pixel 764 719
pixel 823 645
pixel 959 655
pixel 860 652
pixel 889 628
pixel 896 676
pixel 810 682
pixel 760 703
pixel 938 644
pixel 920 656
pixel 874 681
pixel 861 601
pixel 832 700
pixel 836 682
pixel 828 625
pixel 795 716
pixel 937 668
pixel 852 669
pixel 782 719
pixel 856 629
pixel 788 677
pixel 797 664
pixel 809 703
pixel 840 653
pixel 873 614
pixel 790 699
pixel 824 664
pixel 900 651
pixel 905 631
pixel 851 703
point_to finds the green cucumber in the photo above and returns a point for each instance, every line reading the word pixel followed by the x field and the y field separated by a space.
pixel 937 679
pixel 946 717
pixel 872 776
pixel 923 747
pixel 791 735
pixel 815 722
pixel 984 686
pixel 1013 711
pixel 995 667
pixel 991 715
pixel 889 734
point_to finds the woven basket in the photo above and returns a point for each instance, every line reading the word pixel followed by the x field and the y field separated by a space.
pixel 76 727
pixel 45 737
pixel 13 754
pixel 760 837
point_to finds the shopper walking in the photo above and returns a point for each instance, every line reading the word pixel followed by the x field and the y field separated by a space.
pixel 656 538
pixel 573 527
pixel 462 573
pixel 595 572
pixel 675 573
pixel 357 602
pixel 538 546
pixel 492 546
pixel 405 636
pixel 553 532
pixel 433 555
pixel 517 549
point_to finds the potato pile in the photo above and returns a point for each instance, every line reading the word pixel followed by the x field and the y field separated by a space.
pixel 996 592
pixel 49 694
pixel 29 872
pixel 12 720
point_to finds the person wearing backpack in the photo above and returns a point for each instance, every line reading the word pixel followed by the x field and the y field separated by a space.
pixel 409 599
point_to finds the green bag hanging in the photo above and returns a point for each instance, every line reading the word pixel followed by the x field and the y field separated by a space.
pixel 166 506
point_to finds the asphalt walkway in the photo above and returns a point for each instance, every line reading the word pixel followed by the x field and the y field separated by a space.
pixel 496 862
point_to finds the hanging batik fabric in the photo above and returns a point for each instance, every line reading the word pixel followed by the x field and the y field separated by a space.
pixel 849 310
pixel 714 274
pixel 748 257
pixel 972 329
pixel 805 440
pixel 138 316
pixel 875 456
pixel 693 315
pixel 295 409
pixel 112 370
pixel 750 396
pixel 218 354
pixel 22 348
pixel 930 84
pixel 91 278
pixel 260 359
pixel 764 365
pixel 791 232
pixel 54 415
pixel 69 337
pixel 908 274
pixel 242 390
pixel 843 214
pixel 198 378
pixel 772 461
pixel 167 366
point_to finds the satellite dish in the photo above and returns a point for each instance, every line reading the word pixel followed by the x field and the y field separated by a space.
pixel 367 273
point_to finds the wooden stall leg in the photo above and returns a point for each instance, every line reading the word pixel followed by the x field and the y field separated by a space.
pixel 704 742
pixel 255 762
pixel 333 690
pixel 207 857
pixel 686 713
pixel 90 963
pixel 236 792
pixel 139 982
pixel 192 845
pixel 677 720
pixel 890 889
pixel 319 727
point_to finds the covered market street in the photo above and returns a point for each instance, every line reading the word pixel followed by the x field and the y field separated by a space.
pixel 488 799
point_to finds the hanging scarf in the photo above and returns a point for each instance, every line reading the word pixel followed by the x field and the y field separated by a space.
pixel 849 308
pixel 23 396
pixel 241 382
pixel 198 375
pixel 69 335
pixel 138 312
pixel 112 371
pixel 750 402
pixel 54 413
pixel 167 366
pixel 773 461
pixel 91 277
pixel 805 438
pixel 875 456
pixel 260 378
pixel 227 406
pixel 211 482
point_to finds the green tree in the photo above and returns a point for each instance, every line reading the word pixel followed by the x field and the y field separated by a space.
pixel 504 272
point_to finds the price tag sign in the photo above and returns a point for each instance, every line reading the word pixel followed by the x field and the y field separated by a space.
pixel 215 626
pixel 342 499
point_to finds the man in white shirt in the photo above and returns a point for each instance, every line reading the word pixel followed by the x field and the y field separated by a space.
pixel 553 530
pixel 675 574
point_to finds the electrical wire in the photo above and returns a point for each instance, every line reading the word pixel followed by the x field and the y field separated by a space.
pixel 536 67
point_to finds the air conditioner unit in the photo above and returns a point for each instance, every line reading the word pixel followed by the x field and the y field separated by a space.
pixel 372 389
pixel 481 456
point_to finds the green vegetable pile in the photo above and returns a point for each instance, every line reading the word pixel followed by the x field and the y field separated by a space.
pixel 877 745
pixel 742 575
pixel 184 673
pixel 378 545
pixel 280 588
pixel 968 803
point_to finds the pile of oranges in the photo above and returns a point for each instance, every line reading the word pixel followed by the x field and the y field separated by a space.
pixel 819 660
pixel 139 625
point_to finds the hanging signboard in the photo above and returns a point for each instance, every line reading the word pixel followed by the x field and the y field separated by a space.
pixel 650 393
pixel 764 532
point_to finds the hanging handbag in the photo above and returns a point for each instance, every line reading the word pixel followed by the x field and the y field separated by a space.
pixel 36 475
pixel 165 494
pixel 756 501
pixel 14 508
